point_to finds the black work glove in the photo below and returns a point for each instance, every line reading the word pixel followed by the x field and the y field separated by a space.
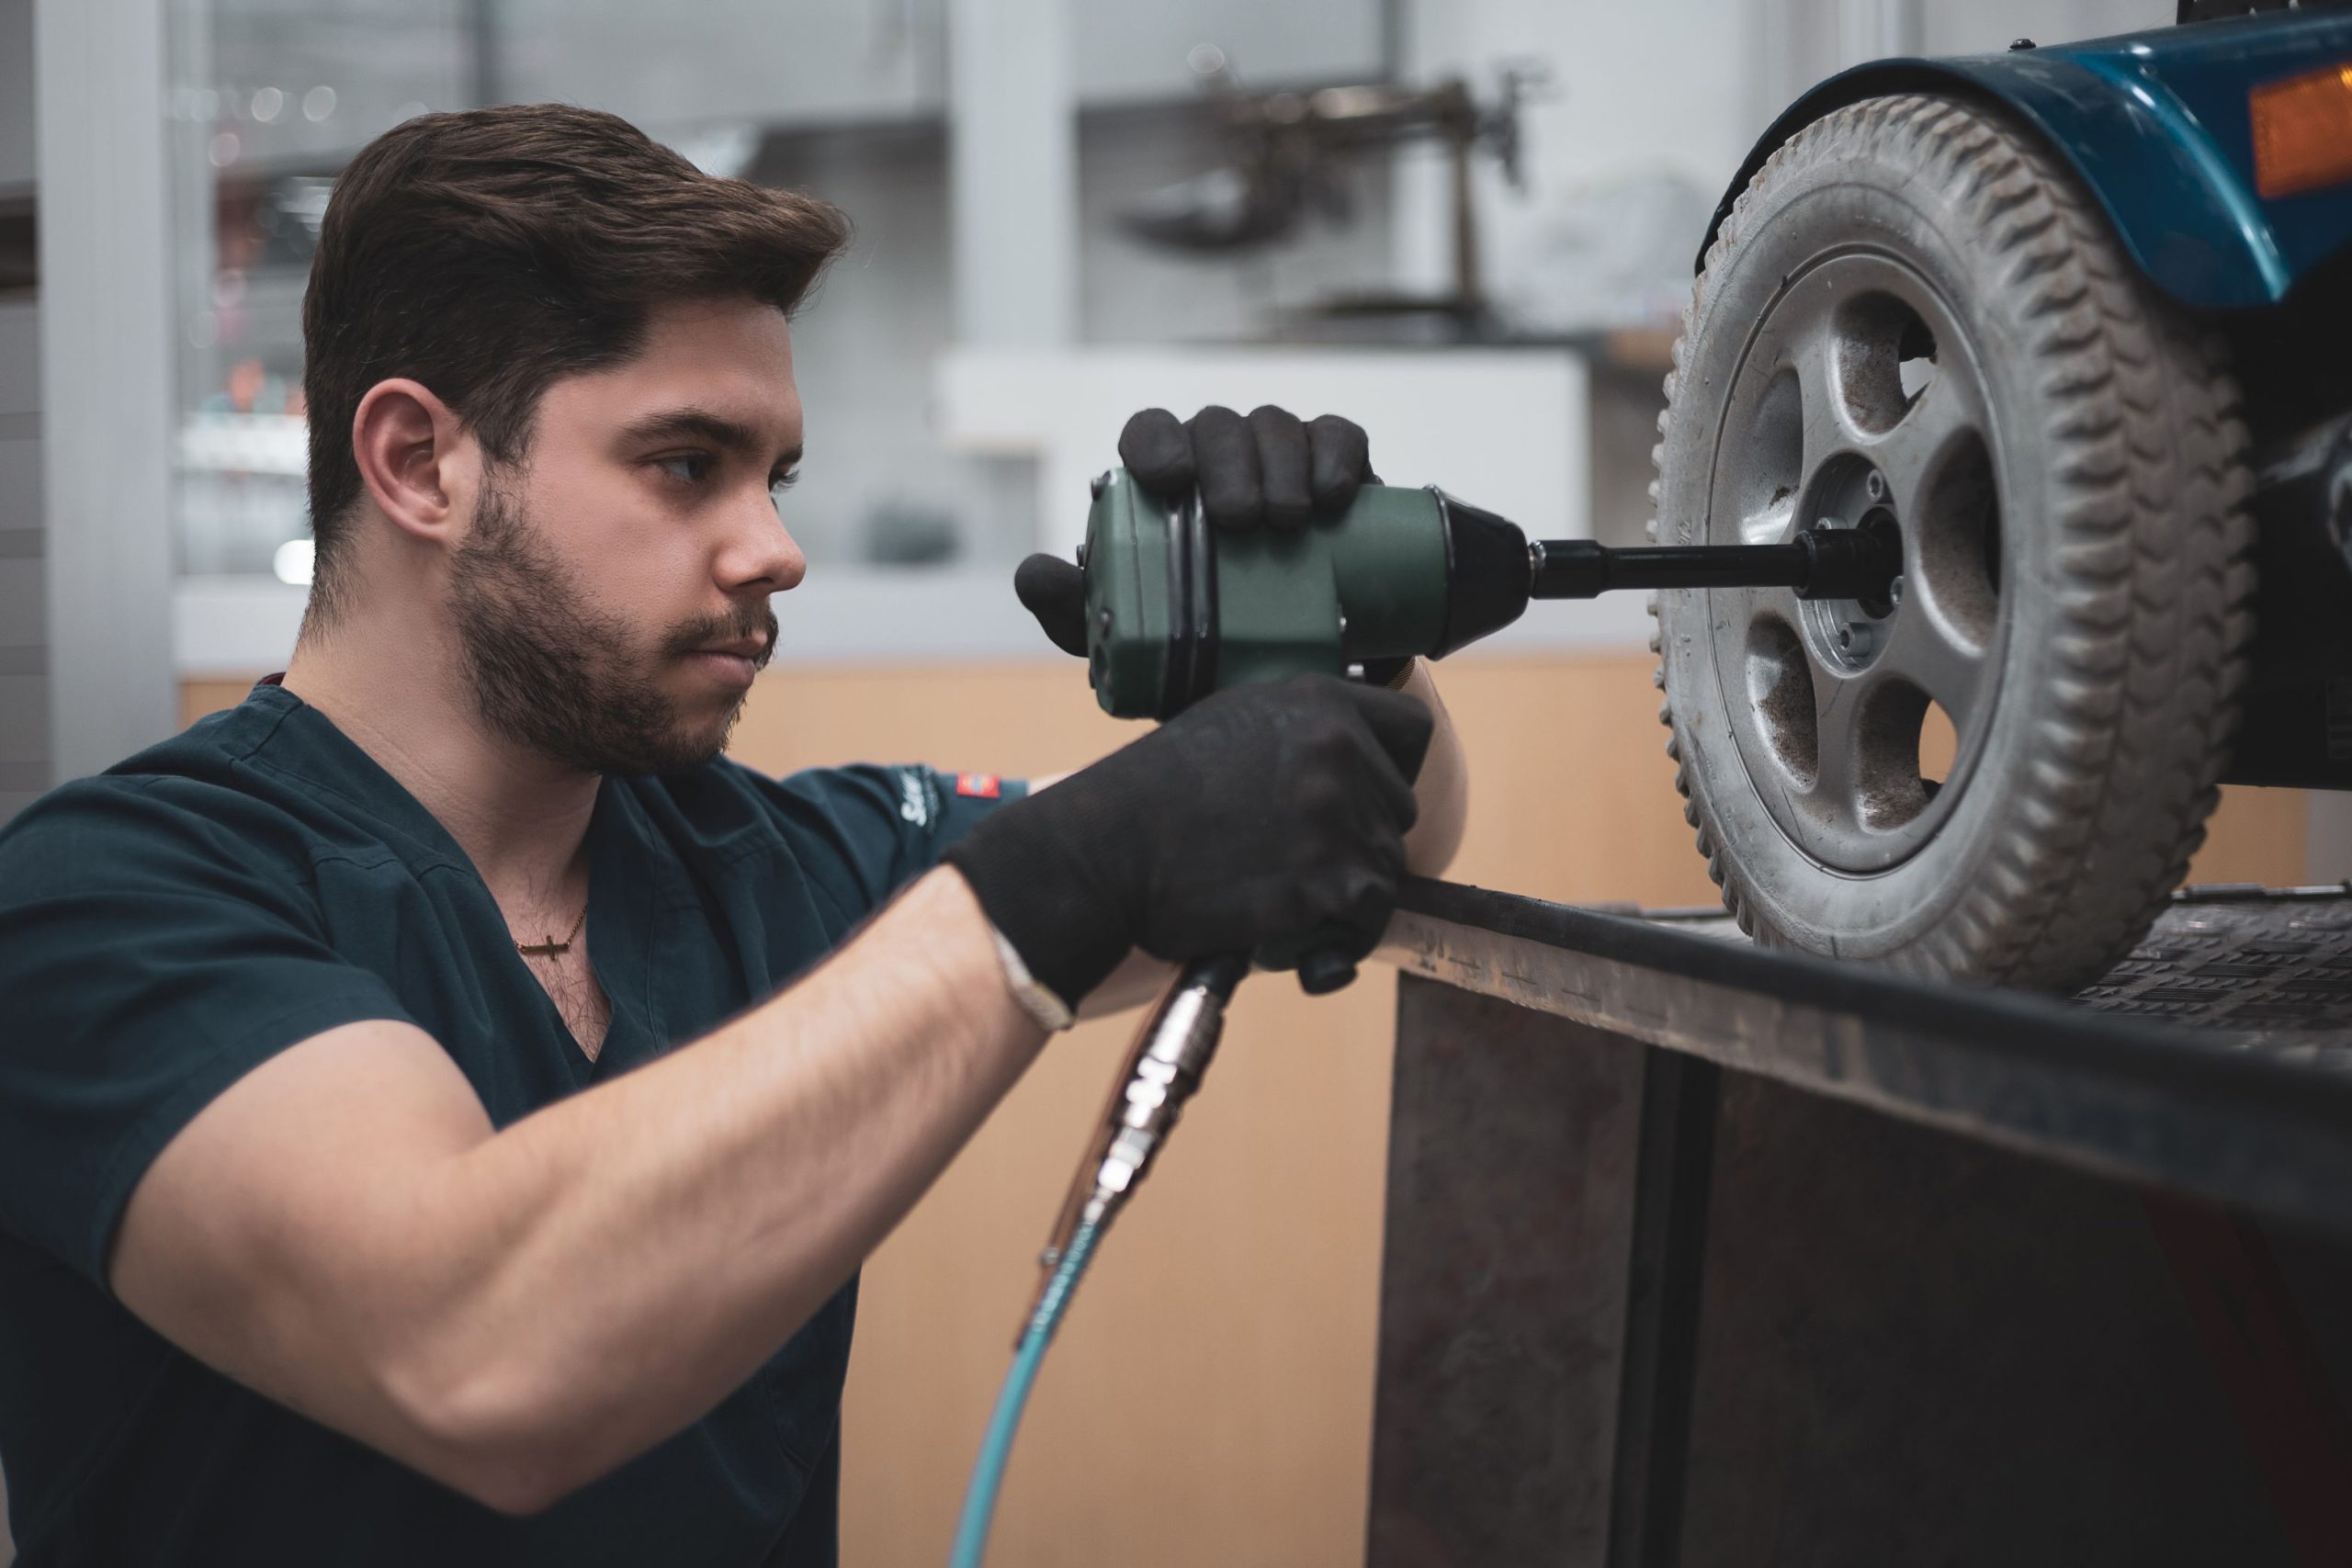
pixel 1255 817
pixel 1269 470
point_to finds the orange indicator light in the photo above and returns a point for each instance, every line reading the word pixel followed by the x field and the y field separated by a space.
pixel 2303 131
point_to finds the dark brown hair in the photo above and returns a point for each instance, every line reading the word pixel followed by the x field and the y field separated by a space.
pixel 487 253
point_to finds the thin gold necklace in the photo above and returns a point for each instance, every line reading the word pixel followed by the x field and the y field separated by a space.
pixel 550 947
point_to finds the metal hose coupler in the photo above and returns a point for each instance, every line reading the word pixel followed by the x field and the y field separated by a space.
pixel 1163 1071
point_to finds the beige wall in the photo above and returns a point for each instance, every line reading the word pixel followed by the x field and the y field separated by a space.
pixel 1214 1379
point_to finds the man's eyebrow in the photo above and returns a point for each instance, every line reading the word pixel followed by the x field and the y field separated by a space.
pixel 700 424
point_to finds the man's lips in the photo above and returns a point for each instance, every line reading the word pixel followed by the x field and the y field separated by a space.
pixel 736 661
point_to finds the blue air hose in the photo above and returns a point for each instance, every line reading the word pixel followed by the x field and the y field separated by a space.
pixel 987 1471
pixel 1162 1070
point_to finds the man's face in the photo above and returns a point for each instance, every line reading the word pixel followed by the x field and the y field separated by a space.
pixel 612 594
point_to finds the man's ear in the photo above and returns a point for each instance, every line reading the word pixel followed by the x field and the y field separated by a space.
pixel 413 458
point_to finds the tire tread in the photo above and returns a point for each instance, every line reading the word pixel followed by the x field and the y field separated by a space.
pixel 2151 566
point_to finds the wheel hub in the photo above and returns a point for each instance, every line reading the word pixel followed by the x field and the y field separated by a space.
pixel 1849 634
pixel 1858 405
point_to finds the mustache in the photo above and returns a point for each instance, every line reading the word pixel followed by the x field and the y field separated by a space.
pixel 747 620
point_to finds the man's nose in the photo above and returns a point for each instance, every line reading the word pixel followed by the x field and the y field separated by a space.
pixel 760 553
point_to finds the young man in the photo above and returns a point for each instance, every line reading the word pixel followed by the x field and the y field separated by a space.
pixel 443 1103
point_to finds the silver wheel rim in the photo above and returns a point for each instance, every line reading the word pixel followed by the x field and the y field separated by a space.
pixel 1838 418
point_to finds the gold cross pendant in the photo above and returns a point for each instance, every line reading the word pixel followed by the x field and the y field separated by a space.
pixel 550 947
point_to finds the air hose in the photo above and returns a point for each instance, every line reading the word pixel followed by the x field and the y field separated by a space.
pixel 1163 1069
pixel 987 1471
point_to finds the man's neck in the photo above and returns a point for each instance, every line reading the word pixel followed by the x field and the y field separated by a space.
pixel 522 819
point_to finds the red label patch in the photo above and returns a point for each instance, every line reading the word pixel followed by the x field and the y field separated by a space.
pixel 983 786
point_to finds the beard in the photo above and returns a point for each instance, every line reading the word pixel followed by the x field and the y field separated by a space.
pixel 553 673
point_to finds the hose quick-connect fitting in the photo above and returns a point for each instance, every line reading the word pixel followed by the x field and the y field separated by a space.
pixel 1170 1053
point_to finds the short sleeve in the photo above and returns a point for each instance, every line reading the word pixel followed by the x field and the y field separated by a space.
pixel 891 824
pixel 152 952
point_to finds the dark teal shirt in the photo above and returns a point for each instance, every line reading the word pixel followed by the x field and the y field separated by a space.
pixel 168 926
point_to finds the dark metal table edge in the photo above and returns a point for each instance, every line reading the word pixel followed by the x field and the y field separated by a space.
pixel 2137 1098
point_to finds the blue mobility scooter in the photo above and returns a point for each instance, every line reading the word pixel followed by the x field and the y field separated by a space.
pixel 2074 325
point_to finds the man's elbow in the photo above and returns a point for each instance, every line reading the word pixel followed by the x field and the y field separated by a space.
pixel 517 1491
pixel 492 1434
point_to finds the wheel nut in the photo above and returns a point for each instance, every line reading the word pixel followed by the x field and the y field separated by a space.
pixel 1876 485
pixel 1845 637
pixel 1895 592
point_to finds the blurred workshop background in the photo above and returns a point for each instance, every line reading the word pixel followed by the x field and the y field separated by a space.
pixel 1467 224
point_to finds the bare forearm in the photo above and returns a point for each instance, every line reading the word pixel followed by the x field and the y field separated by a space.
pixel 1442 788
pixel 642 1248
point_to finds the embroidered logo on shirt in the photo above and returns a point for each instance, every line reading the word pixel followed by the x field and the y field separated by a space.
pixel 981 786
pixel 915 799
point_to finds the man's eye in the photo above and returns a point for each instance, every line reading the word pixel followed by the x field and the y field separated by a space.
pixel 783 482
pixel 687 467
